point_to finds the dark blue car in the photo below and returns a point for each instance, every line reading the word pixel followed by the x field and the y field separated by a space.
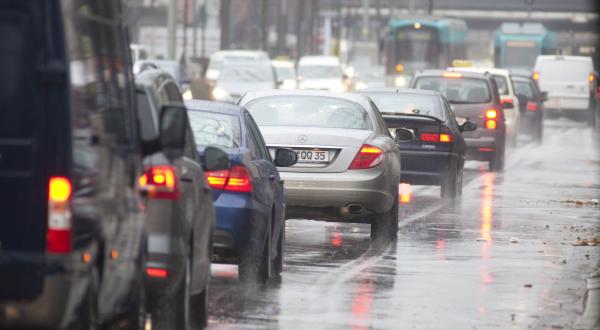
pixel 249 196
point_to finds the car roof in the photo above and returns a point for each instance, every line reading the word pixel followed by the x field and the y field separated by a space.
pixel 401 91
pixel 465 74
pixel 352 97
pixel 210 106
pixel 496 71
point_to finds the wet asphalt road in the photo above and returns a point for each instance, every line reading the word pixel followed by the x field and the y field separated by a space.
pixel 454 265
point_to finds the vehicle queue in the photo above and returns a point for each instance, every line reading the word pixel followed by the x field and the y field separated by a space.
pixel 144 190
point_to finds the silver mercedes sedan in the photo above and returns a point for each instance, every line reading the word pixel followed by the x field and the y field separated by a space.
pixel 348 165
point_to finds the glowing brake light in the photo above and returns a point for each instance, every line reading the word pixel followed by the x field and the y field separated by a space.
pixel 434 137
pixel 491 114
pixel 58 234
pixel 157 272
pixel 159 182
pixel 532 106
pixel 490 124
pixel 536 76
pixel 452 75
pixel 236 179
pixel 591 77
pixel 368 157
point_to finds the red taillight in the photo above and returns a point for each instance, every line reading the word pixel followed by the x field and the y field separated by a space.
pixel 159 182
pixel 58 234
pixel 490 122
pixel 236 179
pixel 491 114
pixel 434 137
pixel 532 106
pixel 368 157
pixel 157 272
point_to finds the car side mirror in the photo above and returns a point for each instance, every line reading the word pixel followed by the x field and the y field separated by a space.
pixel 215 159
pixel 544 96
pixel 173 126
pixel 508 105
pixel 285 157
pixel 468 126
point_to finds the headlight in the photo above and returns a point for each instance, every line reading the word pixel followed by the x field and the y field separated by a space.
pixel 400 81
pixel 188 95
pixel 361 85
pixel 219 93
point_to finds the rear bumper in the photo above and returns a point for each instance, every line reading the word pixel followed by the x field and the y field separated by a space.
pixel 483 146
pixel 63 289
pixel 567 103
pixel 425 167
pixel 325 196
pixel 234 221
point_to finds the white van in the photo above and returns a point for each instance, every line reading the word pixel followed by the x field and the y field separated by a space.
pixel 217 59
pixel 322 73
pixel 567 81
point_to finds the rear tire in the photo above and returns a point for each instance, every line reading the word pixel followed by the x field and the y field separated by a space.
pixel 278 266
pixel 253 268
pixel 385 226
pixel 451 186
pixel 89 309
pixel 198 318
pixel 497 160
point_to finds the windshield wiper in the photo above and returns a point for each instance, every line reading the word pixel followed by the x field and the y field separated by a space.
pixel 412 115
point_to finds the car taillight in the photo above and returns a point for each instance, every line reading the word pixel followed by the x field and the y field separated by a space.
pixel 159 182
pixel 532 106
pixel 490 122
pixel 368 157
pixel 236 179
pixel 157 272
pixel 58 234
pixel 591 78
pixel 536 76
pixel 434 137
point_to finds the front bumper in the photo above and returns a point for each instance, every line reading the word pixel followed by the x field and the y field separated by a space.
pixel 325 196
pixel 425 167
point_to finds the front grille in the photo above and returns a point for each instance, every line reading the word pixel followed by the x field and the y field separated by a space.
pixel 404 135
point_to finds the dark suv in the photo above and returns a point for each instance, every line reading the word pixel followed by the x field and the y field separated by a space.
pixel 72 230
pixel 181 216
pixel 474 97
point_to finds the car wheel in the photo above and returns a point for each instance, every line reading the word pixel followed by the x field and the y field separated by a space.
pixel 138 315
pixel 385 226
pixel 496 163
pixel 89 309
pixel 198 317
pixel 278 266
pixel 449 186
pixel 255 268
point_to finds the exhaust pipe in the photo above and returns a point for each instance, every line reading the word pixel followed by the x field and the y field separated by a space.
pixel 355 208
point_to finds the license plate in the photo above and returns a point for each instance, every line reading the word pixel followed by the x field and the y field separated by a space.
pixel 312 156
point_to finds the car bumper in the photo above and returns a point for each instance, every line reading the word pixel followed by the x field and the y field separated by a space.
pixel 480 147
pixel 567 103
pixel 63 289
pixel 425 167
pixel 326 196
pixel 234 221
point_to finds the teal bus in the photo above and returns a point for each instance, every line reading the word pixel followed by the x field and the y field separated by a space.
pixel 516 46
pixel 413 44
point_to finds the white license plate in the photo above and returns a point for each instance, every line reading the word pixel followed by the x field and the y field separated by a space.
pixel 312 156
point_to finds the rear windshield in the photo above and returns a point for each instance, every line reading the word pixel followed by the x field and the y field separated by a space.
pixel 246 73
pixel 524 89
pixel 457 90
pixel 285 73
pixel 217 129
pixel 308 111
pixel 563 70
pixel 309 71
pixel 392 102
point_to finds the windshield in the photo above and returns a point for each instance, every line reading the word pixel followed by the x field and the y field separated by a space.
pixel 308 111
pixel 413 104
pixel 285 73
pixel 319 72
pixel 564 70
pixel 417 48
pixel 246 73
pixel 457 90
pixel 215 129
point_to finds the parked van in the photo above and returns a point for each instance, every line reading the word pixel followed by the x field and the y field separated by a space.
pixel 72 230
pixel 568 81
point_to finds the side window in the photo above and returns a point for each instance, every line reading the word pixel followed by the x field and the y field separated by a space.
pixel 190 145
pixel 146 117
pixel 380 126
pixel 450 114
pixel 173 92
pixel 257 138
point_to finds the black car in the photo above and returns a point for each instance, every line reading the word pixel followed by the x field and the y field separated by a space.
pixel 181 216
pixel 474 97
pixel 430 140
pixel 531 102
pixel 72 229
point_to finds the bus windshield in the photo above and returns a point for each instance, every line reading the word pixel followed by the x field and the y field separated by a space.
pixel 417 48
pixel 520 56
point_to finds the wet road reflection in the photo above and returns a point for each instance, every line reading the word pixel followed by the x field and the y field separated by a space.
pixel 453 265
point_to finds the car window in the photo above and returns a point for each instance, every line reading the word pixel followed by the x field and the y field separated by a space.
pixel 381 128
pixel 147 117
pixel 211 128
pixel 450 114
pixel 407 103
pixel 246 72
pixel 257 138
pixel 525 89
pixel 502 84
pixel 308 111
pixel 190 146
pixel 457 90
pixel 319 72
